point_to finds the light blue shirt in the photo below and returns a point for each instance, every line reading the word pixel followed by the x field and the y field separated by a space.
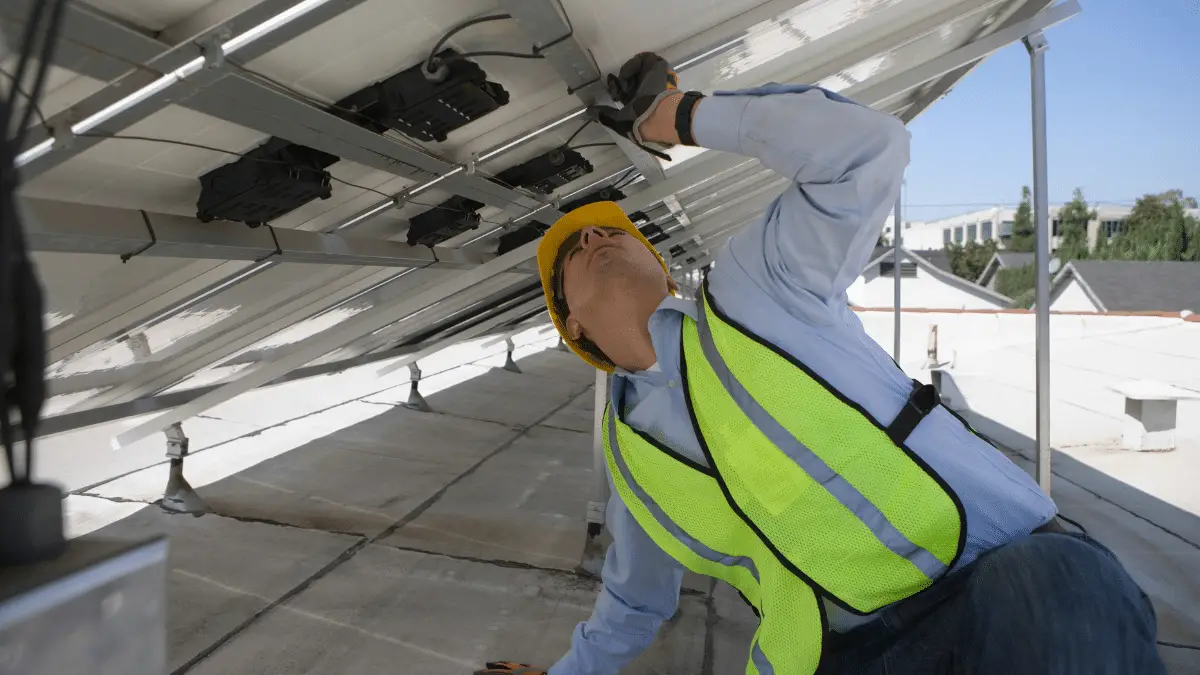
pixel 785 278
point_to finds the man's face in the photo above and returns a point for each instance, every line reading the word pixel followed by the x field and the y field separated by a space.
pixel 602 270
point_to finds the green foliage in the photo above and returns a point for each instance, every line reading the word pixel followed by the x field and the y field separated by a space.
pixel 1073 220
pixel 1025 299
pixel 1159 228
pixel 1022 238
pixel 1014 282
pixel 968 261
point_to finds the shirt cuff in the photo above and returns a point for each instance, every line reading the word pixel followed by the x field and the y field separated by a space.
pixel 717 122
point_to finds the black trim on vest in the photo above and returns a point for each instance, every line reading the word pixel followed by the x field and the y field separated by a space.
pixel 958 505
pixel 660 446
pixel 683 117
pixel 921 402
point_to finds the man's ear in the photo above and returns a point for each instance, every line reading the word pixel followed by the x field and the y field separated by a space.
pixel 574 328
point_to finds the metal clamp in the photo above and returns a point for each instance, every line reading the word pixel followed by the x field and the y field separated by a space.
pixel 1036 42
pixel 177 441
pixel 212 48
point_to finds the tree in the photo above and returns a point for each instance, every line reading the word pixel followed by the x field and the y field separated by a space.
pixel 1023 233
pixel 1158 228
pixel 1073 218
pixel 1017 283
pixel 969 261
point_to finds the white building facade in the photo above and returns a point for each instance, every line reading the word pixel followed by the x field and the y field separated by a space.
pixel 995 224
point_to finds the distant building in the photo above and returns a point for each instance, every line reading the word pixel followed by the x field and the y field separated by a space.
pixel 996 224
pixel 1126 286
pixel 925 283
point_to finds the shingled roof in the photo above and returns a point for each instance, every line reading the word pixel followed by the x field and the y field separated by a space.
pixel 1135 286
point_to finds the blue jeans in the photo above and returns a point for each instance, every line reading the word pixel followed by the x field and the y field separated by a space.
pixel 1052 604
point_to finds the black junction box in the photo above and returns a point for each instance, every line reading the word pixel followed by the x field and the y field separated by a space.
pixel 426 110
pixel 266 183
pixel 521 236
pixel 448 219
pixel 546 172
pixel 604 194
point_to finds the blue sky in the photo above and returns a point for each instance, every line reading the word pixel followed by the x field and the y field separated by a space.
pixel 1123 114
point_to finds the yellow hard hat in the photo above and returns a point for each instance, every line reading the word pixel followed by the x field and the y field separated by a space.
pixel 596 214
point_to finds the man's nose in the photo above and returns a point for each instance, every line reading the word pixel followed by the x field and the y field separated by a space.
pixel 589 235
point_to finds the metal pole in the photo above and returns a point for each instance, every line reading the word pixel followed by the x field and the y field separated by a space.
pixel 896 281
pixel 599 462
pixel 1036 44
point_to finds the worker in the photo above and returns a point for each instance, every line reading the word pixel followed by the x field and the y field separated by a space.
pixel 758 435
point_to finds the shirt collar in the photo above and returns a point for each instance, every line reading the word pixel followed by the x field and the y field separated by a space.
pixel 664 340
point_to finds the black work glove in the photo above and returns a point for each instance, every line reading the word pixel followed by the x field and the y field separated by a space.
pixel 643 81
pixel 509 668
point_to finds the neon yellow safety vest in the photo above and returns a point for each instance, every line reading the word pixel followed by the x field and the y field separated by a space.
pixel 805 495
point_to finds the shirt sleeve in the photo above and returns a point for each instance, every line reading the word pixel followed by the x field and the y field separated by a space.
pixel 846 162
pixel 641 590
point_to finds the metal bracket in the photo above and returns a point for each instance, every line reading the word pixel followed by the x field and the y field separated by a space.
pixel 1036 42
pixel 212 47
pixel 177 441
pixel 139 345
pixel 472 164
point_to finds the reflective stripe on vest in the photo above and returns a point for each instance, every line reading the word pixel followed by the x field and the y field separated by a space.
pixel 838 501
pixel 681 508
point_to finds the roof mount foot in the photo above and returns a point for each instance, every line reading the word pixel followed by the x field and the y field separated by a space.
pixel 179 495
pixel 415 400
pixel 509 364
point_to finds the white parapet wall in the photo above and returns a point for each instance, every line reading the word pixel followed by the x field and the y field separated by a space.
pixel 991 358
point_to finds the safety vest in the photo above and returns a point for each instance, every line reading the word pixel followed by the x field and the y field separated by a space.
pixel 805 495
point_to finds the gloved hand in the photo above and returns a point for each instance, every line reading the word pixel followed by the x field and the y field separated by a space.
pixel 509 668
pixel 642 82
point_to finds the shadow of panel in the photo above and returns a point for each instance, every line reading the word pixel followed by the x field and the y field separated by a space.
pixel 392 611
pixel 223 571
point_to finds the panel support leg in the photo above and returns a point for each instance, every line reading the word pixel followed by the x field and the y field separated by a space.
pixel 415 400
pixel 509 364
pixel 1036 44
pixel 896 258
pixel 596 544
pixel 179 496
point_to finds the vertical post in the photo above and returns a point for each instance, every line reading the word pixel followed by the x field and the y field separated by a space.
pixel 896 228
pixel 599 464
pixel 1036 44
pixel 595 546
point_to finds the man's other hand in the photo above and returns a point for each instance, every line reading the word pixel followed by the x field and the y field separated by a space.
pixel 509 668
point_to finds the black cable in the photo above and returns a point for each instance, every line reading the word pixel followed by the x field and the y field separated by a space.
pixel 515 55
pixel 17 88
pixel 577 132
pixel 593 145
pixel 631 175
pixel 465 24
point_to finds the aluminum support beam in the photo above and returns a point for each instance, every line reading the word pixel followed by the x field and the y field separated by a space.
pixel 896 258
pixel 161 82
pixel 75 228
pixel 1036 45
